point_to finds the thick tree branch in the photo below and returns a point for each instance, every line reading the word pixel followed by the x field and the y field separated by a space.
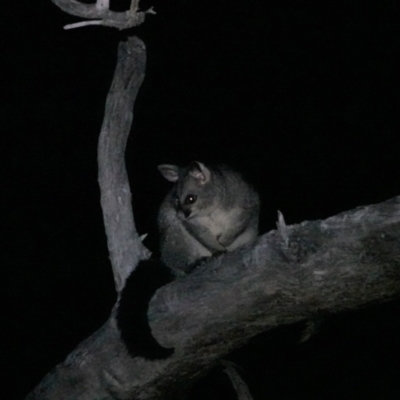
pixel 123 242
pixel 345 262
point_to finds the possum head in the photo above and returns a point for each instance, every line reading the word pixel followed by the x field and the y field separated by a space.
pixel 194 192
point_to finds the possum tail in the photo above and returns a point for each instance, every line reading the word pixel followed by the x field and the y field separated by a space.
pixel 132 320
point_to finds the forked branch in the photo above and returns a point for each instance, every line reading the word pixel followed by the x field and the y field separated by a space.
pixel 101 14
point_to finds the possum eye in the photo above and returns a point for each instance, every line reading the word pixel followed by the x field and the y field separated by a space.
pixel 190 199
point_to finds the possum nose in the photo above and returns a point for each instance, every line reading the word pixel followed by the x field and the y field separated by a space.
pixel 184 211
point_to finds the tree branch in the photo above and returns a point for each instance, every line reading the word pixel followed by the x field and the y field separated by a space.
pixel 345 262
pixel 123 242
pixel 119 20
pixel 240 387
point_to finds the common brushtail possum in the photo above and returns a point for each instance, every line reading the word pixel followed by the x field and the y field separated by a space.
pixel 208 211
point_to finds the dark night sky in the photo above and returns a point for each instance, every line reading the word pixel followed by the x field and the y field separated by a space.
pixel 302 96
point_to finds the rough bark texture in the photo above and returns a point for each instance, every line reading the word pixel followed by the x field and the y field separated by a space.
pixel 123 242
pixel 345 262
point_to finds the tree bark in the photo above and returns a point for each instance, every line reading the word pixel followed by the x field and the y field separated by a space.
pixel 348 261
pixel 123 241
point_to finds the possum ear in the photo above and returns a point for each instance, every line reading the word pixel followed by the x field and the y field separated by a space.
pixel 199 171
pixel 170 172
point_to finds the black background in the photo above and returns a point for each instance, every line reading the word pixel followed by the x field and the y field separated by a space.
pixel 301 96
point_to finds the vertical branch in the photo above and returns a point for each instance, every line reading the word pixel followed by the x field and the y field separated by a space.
pixel 124 244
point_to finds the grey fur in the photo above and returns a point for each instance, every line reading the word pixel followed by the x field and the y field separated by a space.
pixel 209 210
